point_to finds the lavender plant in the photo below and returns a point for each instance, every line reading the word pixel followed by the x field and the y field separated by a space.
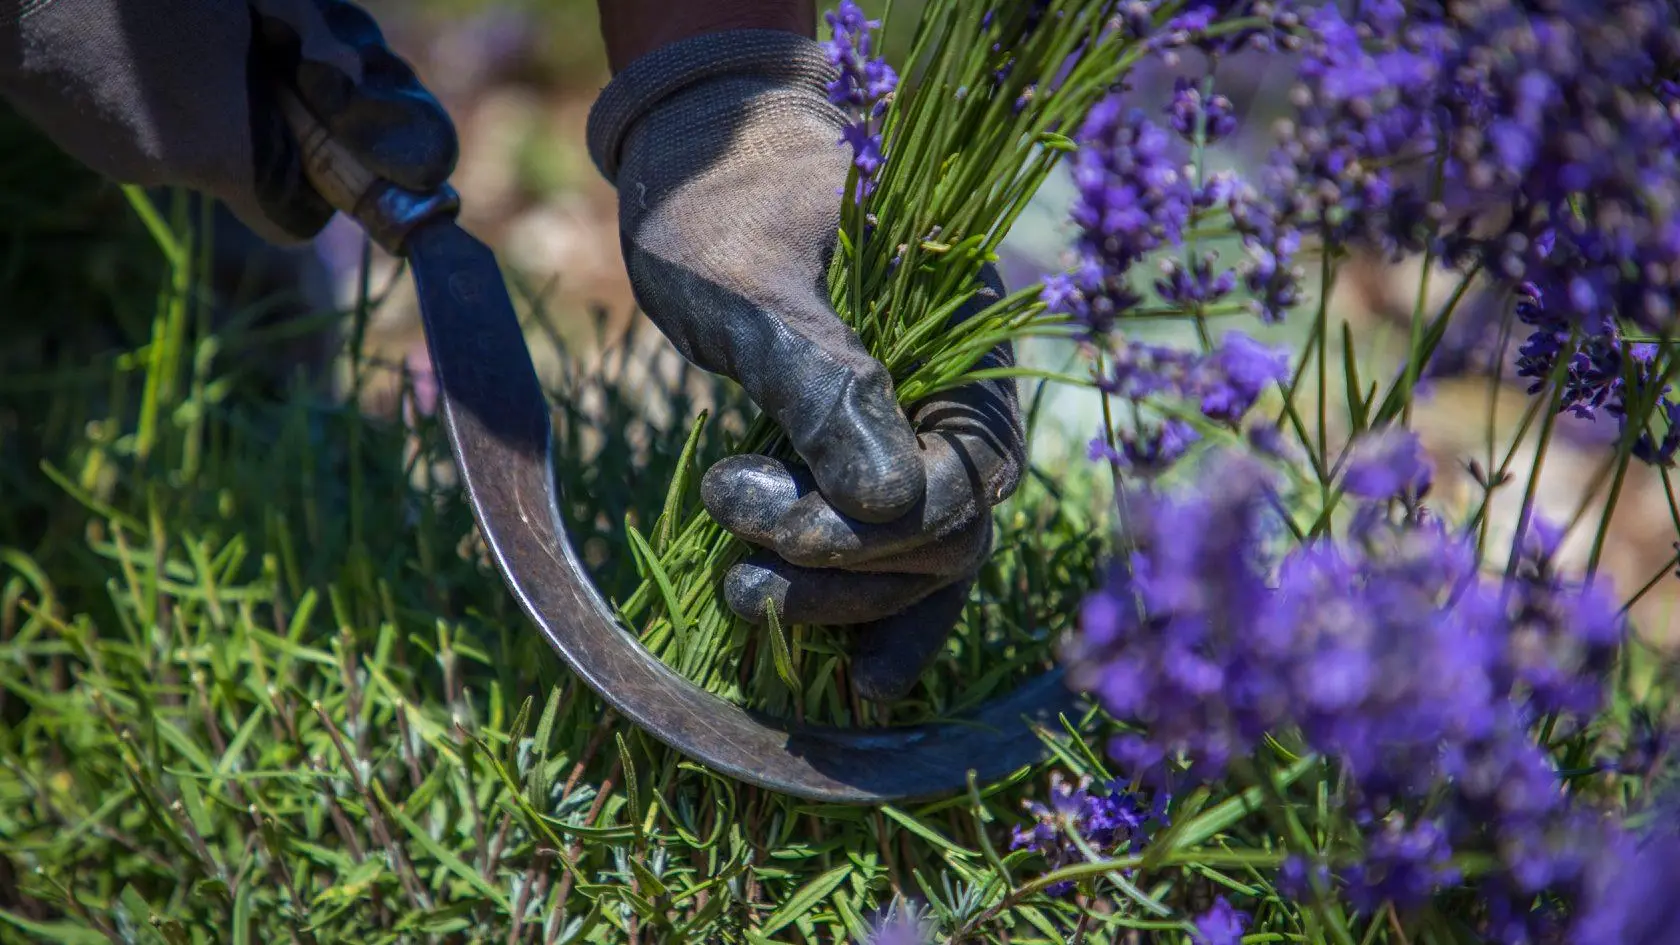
pixel 1287 609
pixel 1331 703
pixel 1301 609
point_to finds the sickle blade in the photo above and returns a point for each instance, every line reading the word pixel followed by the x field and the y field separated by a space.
pixel 500 430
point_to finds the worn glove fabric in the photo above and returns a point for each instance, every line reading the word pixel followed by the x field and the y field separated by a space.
pixel 183 93
pixel 724 149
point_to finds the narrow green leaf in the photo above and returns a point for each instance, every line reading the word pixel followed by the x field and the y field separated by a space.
pixel 1357 405
pixel 650 884
pixel 545 726
pixel 632 789
pixel 779 652
pixel 1038 921
pixel 67 933
pixel 807 898
pixel 667 527
pixel 650 562
pixel 439 852
pixel 924 831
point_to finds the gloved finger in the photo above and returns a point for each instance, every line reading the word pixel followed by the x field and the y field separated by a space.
pixel 891 654
pixel 773 332
pixel 772 504
pixel 820 596
pixel 973 452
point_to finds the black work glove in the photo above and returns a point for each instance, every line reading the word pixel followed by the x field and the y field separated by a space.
pixel 184 93
pixel 725 152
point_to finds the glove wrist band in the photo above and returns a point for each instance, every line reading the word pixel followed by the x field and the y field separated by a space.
pixel 786 58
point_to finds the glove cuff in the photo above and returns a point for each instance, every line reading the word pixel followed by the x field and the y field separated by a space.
pixel 786 58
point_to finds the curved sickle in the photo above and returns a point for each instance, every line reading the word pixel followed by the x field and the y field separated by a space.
pixel 501 432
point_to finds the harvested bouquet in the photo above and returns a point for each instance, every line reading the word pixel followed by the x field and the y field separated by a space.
pixel 945 161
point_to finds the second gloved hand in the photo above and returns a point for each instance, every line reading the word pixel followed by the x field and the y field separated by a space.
pixel 725 152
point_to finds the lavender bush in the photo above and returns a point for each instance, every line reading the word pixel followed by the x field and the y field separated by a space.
pixel 1433 744
pixel 1327 703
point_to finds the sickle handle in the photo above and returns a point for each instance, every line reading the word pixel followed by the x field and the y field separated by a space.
pixel 388 212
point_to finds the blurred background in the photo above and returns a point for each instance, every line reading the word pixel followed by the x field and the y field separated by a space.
pixel 519 76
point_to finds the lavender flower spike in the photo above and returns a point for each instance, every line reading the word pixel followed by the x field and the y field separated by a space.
pixel 861 88
pixel 1220 925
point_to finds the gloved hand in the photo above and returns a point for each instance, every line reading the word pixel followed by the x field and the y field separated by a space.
pixel 724 149
pixel 184 93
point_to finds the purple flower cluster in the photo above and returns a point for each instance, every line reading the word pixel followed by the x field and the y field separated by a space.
pixel 1108 823
pixel 1387 463
pixel 1403 863
pixel 1198 117
pixel 1244 24
pixel 1387 651
pixel 1220 925
pixel 1599 371
pixel 1631 897
pixel 1137 195
pixel 1133 199
pixel 1540 142
pixel 1223 385
pixel 862 86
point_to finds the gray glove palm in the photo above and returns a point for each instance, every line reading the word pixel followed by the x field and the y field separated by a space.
pixel 725 152
pixel 183 93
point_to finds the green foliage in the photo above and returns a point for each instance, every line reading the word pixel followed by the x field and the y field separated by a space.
pixel 258 684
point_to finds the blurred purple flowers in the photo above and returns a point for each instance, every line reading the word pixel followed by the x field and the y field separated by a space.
pixel 902 923
pixel 1537 144
pixel 1220 925
pixel 1388 651
pixel 1222 384
pixel 1385 465
pixel 861 87
pixel 1540 143
pixel 1630 900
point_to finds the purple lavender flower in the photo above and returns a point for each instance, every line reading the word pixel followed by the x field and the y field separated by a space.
pixel 1160 642
pixel 1191 27
pixel 1220 925
pixel 1192 114
pixel 1223 385
pixel 861 87
pixel 1109 823
pixel 1271 239
pixel 1150 449
pixel 1195 285
pixel 1243 369
pixel 1404 864
pixel 900 924
pixel 1660 452
pixel 1630 898
pixel 1297 875
pixel 1600 372
pixel 1563 634
pixel 1132 199
pixel 1538 142
pixel 1390 653
pixel 1386 464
